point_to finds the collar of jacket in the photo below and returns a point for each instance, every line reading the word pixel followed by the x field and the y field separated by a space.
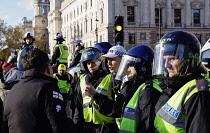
pixel 36 74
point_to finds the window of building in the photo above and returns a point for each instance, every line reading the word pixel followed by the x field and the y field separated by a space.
pixel 91 24
pixel 81 8
pixel 177 16
pixel 91 3
pixel 81 32
pixel 158 15
pixel 130 14
pixel 44 10
pixel 102 16
pixel 196 16
pixel 131 38
pixel 86 25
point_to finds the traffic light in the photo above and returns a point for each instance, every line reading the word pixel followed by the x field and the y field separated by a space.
pixel 119 36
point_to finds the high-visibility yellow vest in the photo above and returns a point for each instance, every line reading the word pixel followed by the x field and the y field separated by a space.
pixel 171 117
pixel 90 108
pixel 64 86
pixel 130 119
pixel 63 53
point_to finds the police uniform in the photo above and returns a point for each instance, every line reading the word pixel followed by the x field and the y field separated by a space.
pixel 138 113
pixel 85 123
pixel 35 105
pixel 60 54
pixel 184 105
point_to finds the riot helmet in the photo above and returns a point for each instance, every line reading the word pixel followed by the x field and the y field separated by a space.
pixel 103 46
pixel 180 46
pixel 28 35
pixel 141 58
pixel 90 53
pixel 79 43
pixel 59 37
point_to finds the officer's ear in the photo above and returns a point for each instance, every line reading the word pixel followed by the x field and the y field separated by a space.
pixel 49 71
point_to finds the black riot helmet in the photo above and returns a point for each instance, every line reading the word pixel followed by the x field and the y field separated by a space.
pixel 183 46
pixel 79 43
pixel 90 53
pixel 59 37
pixel 28 35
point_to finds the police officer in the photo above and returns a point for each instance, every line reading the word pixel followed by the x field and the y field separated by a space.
pixel 60 53
pixel 77 54
pixel 29 44
pixel 184 105
pixel 35 103
pixel 137 115
pixel 87 117
pixel 64 80
pixel 113 58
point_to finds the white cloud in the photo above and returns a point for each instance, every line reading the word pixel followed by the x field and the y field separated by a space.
pixel 6 17
pixel 26 4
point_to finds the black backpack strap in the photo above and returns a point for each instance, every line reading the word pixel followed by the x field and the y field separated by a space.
pixel 202 84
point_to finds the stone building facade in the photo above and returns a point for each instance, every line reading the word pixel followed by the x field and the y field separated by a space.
pixel 144 20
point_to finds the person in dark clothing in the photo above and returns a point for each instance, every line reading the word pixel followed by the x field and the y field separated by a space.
pixel 77 54
pixel 183 106
pixel 28 44
pixel 35 104
pixel 85 115
pixel 60 53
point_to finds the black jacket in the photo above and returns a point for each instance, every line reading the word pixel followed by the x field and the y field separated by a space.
pixel 76 58
pixel 56 54
pixel 197 107
pixel 35 105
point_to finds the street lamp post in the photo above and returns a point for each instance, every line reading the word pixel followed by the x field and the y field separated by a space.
pixel 96 30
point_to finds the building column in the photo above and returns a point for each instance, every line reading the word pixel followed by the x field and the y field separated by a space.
pixel 188 14
pixel 168 9
pixel 206 12
pixel 152 13
pixel 146 13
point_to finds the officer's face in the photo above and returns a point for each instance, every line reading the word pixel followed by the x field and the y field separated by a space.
pixel 171 64
pixel 78 47
pixel 61 72
pixel 29 40
pixel 132 70
pixel 113 64
pixel 91 65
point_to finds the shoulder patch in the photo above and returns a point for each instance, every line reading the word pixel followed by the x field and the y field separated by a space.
pixel 202 84
pixel 57 95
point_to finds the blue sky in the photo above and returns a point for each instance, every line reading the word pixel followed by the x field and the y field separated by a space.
pixel 12 11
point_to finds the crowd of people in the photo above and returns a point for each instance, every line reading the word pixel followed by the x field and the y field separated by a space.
pixel 140 90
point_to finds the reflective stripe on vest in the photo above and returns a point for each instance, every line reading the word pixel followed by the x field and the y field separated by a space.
pixel 90 108
pixel 171 117
pixel 64 86
pixel 63 53
pixel 131 115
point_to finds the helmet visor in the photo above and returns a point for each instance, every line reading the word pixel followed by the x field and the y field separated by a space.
pixel 162 50
pixel 205 57
pixel 123 68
